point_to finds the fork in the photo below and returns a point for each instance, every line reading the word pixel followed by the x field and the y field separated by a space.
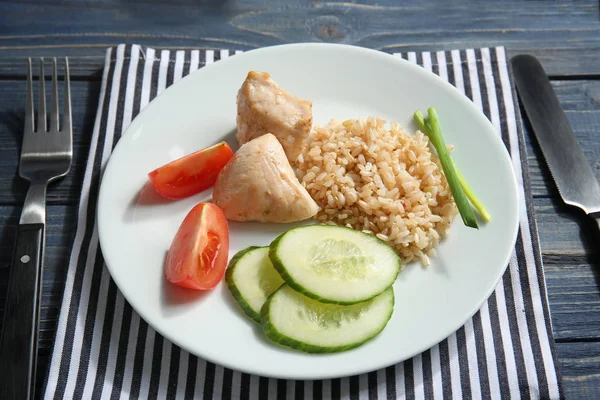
pixel 46 155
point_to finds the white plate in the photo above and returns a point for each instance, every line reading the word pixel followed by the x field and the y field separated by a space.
pixel 136 227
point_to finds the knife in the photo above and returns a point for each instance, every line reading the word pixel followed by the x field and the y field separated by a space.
pixel 572 173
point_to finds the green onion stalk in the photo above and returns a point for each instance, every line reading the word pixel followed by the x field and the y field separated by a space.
pixel 472 196
pixel 458 186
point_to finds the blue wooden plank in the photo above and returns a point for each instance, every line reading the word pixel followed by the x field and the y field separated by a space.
pixel 561 228
pixel 252 23
pixel 580 101
pixel 580 367
pixel 12 114
pixel 565 34
pixel 573 283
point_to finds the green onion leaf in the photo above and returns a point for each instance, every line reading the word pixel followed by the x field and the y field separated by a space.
pixel 423 125
pixel 472 196
pixel 432 129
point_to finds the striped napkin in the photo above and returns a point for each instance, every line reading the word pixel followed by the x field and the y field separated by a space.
pixel 104 350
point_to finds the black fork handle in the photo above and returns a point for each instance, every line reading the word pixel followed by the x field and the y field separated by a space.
pixel 18 345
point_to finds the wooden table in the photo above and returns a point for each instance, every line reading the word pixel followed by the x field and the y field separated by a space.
pixel 564 35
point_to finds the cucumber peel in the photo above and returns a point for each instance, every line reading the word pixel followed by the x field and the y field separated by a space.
pixel 334 264
pixel 293 320
pixel 251 278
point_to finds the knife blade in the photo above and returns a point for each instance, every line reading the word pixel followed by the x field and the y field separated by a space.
pixel 572 173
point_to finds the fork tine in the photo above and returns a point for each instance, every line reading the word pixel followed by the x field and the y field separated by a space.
pixel 41 118
pixel 29 123
pixel 66 124
pixel 54 113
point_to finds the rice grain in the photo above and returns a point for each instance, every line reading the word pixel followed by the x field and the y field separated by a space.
pixel 372 176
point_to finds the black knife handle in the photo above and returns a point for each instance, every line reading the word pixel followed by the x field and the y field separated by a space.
pixel 18 345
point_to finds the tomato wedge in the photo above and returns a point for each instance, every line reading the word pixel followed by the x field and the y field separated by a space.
pixel 199 252
pixel 191 174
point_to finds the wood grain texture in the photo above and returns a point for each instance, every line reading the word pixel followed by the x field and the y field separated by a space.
pixel 565 35
pixel 12 114
pixel 581 101
pixel 572 268
pixel 580 366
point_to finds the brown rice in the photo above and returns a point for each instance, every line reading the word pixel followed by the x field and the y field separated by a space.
pixel 374 177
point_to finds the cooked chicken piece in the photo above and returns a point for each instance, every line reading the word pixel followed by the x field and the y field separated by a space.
pixel 265 107
pixel 258 184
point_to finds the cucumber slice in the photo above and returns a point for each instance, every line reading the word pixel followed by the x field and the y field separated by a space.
pixel 294 320
pixel 251 278
pixel 334 264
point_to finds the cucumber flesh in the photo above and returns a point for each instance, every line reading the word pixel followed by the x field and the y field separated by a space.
pixel 294 320
pixel 251 278
pixel 334 264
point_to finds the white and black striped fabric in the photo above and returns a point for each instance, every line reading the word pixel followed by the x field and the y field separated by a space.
pixel 103 350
